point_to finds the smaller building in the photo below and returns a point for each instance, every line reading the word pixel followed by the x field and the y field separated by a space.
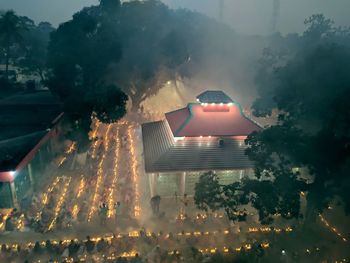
pixel 206 135
pixel 29 130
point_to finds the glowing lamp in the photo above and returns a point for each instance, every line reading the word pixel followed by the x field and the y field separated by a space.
pixel 13 173
pixel 229 104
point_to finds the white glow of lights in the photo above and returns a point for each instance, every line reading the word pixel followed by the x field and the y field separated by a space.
pixel 229 104
pixel 198 100
pixel 179 138
pixel 221 104
pixel 12 173
pixel 213 104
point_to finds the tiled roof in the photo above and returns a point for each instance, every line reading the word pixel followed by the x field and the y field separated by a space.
pixel 163 154
pixel 214 96
pixel 211 120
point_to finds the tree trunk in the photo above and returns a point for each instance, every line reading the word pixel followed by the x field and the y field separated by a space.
pixel 41 75
pixel 182 98
pixel 136 102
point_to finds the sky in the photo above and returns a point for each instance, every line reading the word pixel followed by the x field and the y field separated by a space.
pixel 245 16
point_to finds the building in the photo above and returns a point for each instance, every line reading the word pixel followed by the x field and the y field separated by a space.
pixel 206 135
pixel 28 136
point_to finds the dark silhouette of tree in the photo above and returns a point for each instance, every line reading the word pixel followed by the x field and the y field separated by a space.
pixel 308 149
pixel 11 29
pixel 79 54
pixel 34 57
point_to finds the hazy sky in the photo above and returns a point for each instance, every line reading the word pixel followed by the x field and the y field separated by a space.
pixel 248 16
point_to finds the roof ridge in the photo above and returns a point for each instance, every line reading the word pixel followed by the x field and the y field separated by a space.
pixel 189 107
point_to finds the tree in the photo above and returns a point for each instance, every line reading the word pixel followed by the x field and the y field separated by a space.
pixel 34 59
pixel 211 195
pixel 318 27
pixel 308 149
pixel 79 54
pixel 11 29
pixel 313 128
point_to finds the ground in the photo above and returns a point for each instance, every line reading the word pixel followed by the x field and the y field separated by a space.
pixel 68 206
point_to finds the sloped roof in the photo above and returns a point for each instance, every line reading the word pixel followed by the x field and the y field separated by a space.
pixel 163 154
pixel 24 122
pixel 13 151
pixel 214 96
pixel 211 120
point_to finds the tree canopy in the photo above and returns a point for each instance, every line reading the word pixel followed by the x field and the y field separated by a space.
pixel 307 150
pixel 11 28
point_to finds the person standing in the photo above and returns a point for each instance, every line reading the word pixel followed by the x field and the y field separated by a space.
pixel 103 213
pixel 185 202
pixel 155 202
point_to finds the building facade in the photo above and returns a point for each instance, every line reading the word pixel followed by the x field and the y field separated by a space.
pixel 29 135
pixel 204 136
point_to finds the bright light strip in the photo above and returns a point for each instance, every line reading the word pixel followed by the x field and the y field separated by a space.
pixel 332 228
pixel 4 218
pixel 60 203
pixel 137 208
pixel 115 175
pixel 71 148
pixel 45 198
pixel 94 145
pixel 62 161
pixel 99 175
pixel 81 187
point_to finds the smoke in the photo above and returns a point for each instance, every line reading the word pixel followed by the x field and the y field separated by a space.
pixel 221 10
pixel 275 15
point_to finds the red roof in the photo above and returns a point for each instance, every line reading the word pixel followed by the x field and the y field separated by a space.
pixel 210 120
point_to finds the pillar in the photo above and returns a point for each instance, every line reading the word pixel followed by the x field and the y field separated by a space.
pixel 14 195
pixel 182 184
pixel 152 179
pixel 30 174
pixel 241 174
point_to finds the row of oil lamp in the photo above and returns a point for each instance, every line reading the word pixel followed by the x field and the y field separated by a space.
pixel 115 174
pixel 134 165
pixel 99 175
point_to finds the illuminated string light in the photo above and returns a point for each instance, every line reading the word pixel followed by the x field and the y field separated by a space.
pixel 115 175
pixel 60 203
pixel 20 223
pixel 4 218
pixel 332 228
pixel 137 208
pixel 75 211
pixel 94 145
pixel 99 176
pixel 45 198
pixel 61 162
pixel 71 148
pixel 81 187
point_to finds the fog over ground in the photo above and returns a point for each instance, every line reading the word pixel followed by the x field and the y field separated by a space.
pixel 245 16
